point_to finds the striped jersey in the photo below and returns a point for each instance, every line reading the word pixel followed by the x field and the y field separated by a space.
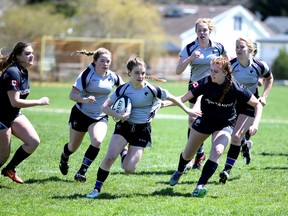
pixel 200 67
pixel 92 84
pixel 144 100
pixel 249 75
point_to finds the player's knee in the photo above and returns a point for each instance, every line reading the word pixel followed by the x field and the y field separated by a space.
pixel 34 143
pixel 109 160
pixel 219 151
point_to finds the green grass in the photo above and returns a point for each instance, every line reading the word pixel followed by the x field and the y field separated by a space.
pixel 259 188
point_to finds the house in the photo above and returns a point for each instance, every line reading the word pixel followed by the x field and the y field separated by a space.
pixel 279 24
pixel 270 47
pixel 231 22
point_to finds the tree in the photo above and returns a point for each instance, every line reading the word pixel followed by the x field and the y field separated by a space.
pixel 121 19
pixel 269 7
pixel 30 23
pixel 280 67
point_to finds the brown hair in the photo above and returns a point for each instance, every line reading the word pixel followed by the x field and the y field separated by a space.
pixel 6 61
pixel 135 60
pixel 226 67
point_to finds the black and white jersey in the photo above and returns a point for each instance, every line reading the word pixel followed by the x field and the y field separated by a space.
pixel 92 84
pixel 249 75
pixel 143 100
pixel 200 67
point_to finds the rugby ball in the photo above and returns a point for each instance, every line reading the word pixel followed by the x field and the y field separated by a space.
pixel 121 105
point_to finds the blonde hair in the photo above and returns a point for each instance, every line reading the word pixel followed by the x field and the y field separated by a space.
pixel 251 46
pixel 96 54
pixel 206 21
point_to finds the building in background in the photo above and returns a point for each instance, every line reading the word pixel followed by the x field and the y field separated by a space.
pixel 231 22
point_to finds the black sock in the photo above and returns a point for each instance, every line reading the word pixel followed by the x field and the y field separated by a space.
pixel 65 154
pixel 89 157
pixel 18 157
pixel 247 135
pixel 182 164
pixel 208 170
pixel 101 177
pixel 232 156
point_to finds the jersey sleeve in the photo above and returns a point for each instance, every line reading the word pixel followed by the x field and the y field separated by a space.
pixel 184 52
pixel 267 71
pixel 12 79
pixel 197 87
pixel 78 82
pixel 117 79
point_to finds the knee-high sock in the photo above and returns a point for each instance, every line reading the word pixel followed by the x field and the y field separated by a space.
pixel 89 157
pixel 207 171
pixel 101 177
pixel 232 156
pixel 18 157
pixel 182 163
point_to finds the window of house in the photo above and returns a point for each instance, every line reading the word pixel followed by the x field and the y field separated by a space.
pixel 238 23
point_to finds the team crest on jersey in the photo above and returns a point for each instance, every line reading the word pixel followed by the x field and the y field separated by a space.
pixel 14 83
pixel 195 84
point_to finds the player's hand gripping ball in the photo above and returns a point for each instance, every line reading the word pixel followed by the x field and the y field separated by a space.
pixel 122 105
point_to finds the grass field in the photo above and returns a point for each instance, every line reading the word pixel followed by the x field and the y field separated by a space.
pixel 259 188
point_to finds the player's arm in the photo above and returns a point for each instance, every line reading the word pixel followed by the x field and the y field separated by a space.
pixel 185 61
pixel 107 108
pixel 16 101
pixel 268 82
pixel 76 96
pixel 258 113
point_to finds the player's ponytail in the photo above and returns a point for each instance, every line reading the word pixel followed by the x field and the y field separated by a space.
pixel 155 78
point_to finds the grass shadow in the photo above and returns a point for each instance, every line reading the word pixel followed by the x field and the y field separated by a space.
pixel 83 196
pixel 50 179
pixel 276 168
pixel 273 154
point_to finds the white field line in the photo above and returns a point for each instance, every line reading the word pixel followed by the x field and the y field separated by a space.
pixel 158 116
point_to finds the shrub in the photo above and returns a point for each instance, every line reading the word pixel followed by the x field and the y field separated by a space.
pixel 280 66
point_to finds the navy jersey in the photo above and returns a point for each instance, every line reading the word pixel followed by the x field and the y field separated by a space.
pixel 214 110
pixel 15 78
pixel 92 84
pixel 200 67
pixel 249 75
pixel 143 100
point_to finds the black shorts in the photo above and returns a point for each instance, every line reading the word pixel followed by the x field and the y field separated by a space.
pixel 207 126
pixel 5 122
pixel 80 122
pixel 135 134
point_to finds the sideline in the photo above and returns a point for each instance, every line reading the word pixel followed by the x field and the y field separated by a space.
pixel 158 115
